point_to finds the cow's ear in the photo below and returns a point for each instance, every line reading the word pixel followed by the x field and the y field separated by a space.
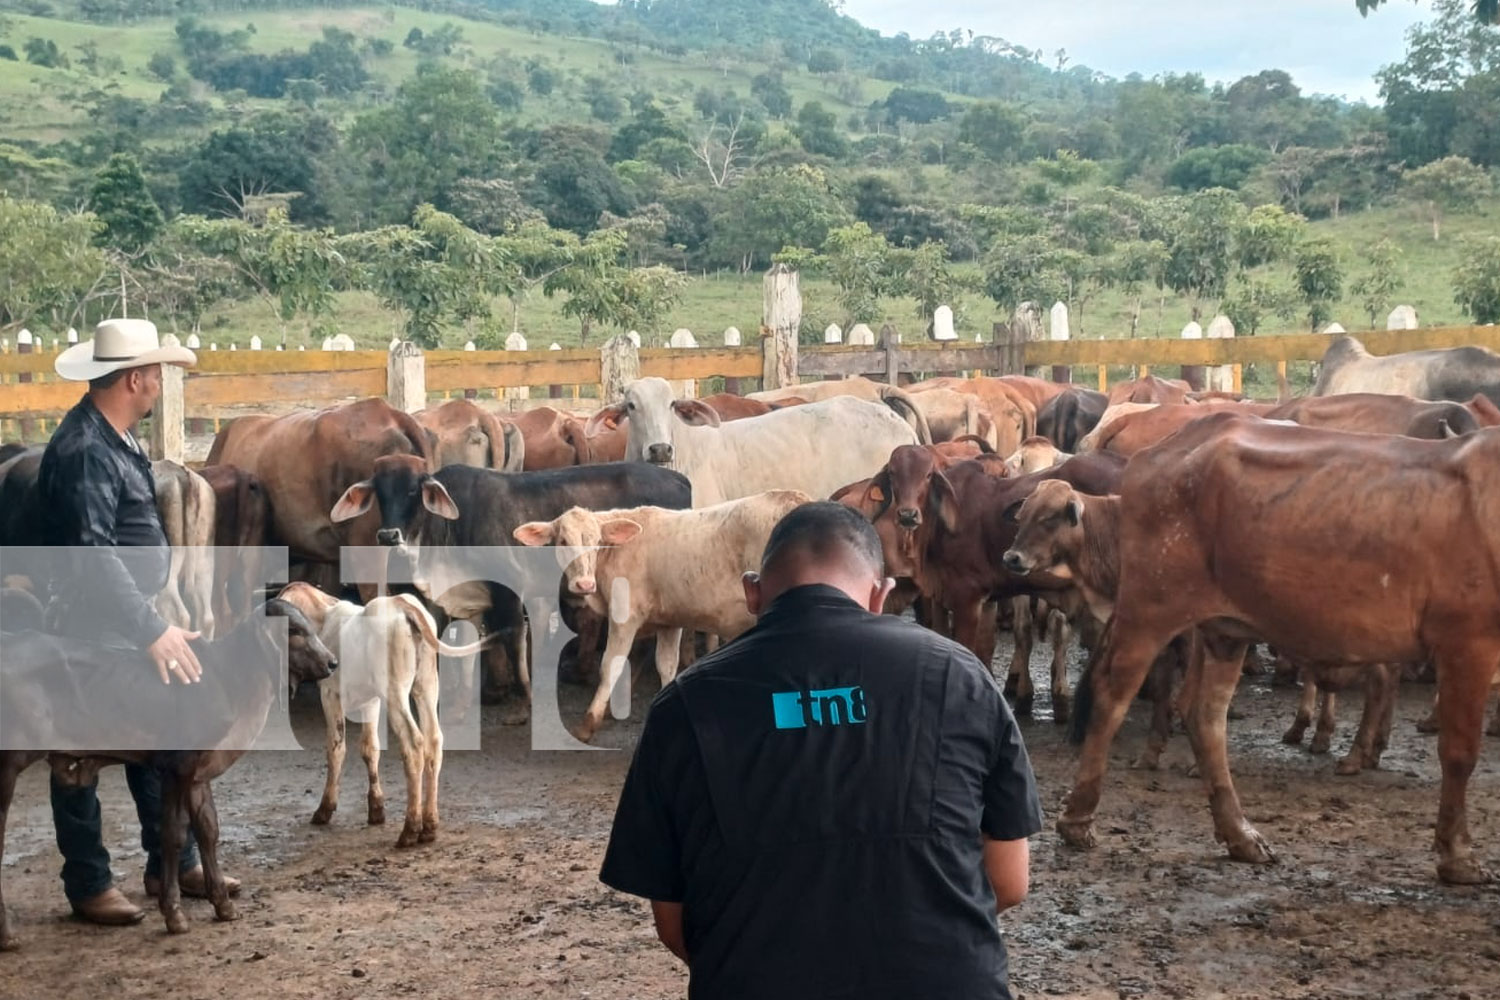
pixel 618 531
pixel 355 501
pixel 696 413
pixel 879 493
pixel 437 501
pixel 944 499
pixel 606 419
pixel 535 533
pixel 1012 514
pixel 1075 511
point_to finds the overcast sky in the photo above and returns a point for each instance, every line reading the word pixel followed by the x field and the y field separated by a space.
pixel 1326 46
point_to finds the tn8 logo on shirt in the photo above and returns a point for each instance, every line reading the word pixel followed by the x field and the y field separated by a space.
pixel 829 707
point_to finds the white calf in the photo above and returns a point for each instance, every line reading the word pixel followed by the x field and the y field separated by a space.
pixel 387 652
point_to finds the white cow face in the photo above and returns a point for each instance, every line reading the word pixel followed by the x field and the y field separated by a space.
pixel 579 529
pixel 653 417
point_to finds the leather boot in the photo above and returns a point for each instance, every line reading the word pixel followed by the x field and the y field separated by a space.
pixel 192 883
pixel 109 908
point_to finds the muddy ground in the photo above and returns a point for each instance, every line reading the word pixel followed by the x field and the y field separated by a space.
pixel 507 902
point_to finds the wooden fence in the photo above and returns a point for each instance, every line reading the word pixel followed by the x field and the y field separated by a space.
pixel 225 384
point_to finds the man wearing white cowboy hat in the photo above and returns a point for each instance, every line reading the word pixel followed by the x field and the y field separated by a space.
pixel 95 491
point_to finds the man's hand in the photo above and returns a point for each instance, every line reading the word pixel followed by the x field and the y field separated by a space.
pixel 174 657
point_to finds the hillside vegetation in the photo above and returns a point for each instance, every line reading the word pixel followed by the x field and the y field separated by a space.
pixel 569 169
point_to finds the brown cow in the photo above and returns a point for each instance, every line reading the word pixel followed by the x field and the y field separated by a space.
pixel 1485 411
pixel 466 433
pixel 1377 413
pixel 731 407
pixel 1336 548
pixel 242 519
pixel 953 415
pixel 552 438
pixel 306 460
pixel 1010 407
pixel 1150 389
pixel 1135 431
pixel 1320 684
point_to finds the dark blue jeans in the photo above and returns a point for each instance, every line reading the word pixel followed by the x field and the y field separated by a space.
pixel 80 838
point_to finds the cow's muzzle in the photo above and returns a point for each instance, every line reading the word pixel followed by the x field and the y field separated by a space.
pixel 1016 562
pixel 584 586
pixel 659 454
pixel 390 536
pixel 909 517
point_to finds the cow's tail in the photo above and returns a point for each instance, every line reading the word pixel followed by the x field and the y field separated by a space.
pixel 904 408
pixel 422 621
pixel 1083 695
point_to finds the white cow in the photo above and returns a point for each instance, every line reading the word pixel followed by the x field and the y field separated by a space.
pixel 859 387
pixel 387 652
pixel 667 570
pixel 816 448
pixel 1034 455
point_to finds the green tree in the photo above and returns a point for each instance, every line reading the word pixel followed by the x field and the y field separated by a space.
pixel 601 291
pixel 916 104
pixel 122 202
pixel 858 261
pixel 771 209
pixel 818 131
pixel 1451 184
pixel 1267 235
pixel 772 93
pixel 1024 269
pixel 1201 243
pixel 1218 166
pixel 162 66
pixel 1476 283
pixel 1381 280
pixel 824 61
pixel 442 126
pixel 44 52
pixel 292 269
pixel 1133 267
pixel 1254 300
pixel 1485 11
pixel 49 263
pixel 996 128
pixel 1319 275
pixel 928 276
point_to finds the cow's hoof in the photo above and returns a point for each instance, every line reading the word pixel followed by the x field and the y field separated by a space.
pixel 1494 729
pixel 1293 736
pixel 410 836
pixel 176 922
pixel 1248 845
pixel 1062 709
pixel 491 697
pixel 1192 770
pixel 1320 743
pixel 323 814
pixel 515 715
pixel 1463 871
pixel 225 912
pixel 1149 760
pixel 9 942
pixel 376 814
pixel 1077 833
pixel 1023 704
pixel 428 834
pixel 1012 684
pixel 1428 725
pixel 1351 764
pixel 584 733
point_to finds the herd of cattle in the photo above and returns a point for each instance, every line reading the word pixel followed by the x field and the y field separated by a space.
pixel 1355 531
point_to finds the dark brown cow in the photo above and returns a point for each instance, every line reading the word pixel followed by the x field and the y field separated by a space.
pixel 1377 413
pixel 731 407
pixel 467 434
pixel 242 521
pixel 1150 390
pixel 1135 431
pixel 1069 416
pixel 1334 547
pixel 306 460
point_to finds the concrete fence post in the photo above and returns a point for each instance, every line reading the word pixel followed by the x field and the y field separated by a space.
pixel 406 377
pixel 168 424
pixel 781 320
pixel 619 365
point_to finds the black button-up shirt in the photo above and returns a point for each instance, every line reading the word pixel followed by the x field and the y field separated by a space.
pixel 95 492
pixel 814 794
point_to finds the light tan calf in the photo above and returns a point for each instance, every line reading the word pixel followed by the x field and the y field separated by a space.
pixel 664 570
pixel 186 503
pixel 387 653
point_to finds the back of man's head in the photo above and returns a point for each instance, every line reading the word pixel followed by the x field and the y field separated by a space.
pixel 823 534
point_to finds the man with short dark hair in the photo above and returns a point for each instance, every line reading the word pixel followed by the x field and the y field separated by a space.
pixel 836 803
pixel 97 502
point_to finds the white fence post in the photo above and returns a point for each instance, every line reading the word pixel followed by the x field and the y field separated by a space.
pixel 515 396
pixel 1221 378
pixel 683 339
pixel 406 377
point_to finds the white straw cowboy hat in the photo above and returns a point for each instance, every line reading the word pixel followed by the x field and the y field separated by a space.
pixel 119 343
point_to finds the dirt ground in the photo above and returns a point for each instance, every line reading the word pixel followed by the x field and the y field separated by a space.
pixel 507 903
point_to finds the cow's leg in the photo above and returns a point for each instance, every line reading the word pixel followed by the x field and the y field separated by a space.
pixel 668 642
pixel 333 739
pixel 616 662
pixel 369 749
pixel 1208 718
pixel 966 624
pixel 1159 683
pixel 1463 682
pixel 1430 724
pixel 174 829
pixel 1061 634
pixel 1306 702
pixel 1494 729
pixel 1327 720
pixel 1374 724
pixel 1101 708
pixel 409 738
pixel 11 763
pixel 1018 680
pixel 205 818
pixel 425 693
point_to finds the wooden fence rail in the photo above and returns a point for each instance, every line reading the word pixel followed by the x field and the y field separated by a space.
pixel 229 383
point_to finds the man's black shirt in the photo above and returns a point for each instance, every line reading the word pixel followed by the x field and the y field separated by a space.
pixel 814 794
